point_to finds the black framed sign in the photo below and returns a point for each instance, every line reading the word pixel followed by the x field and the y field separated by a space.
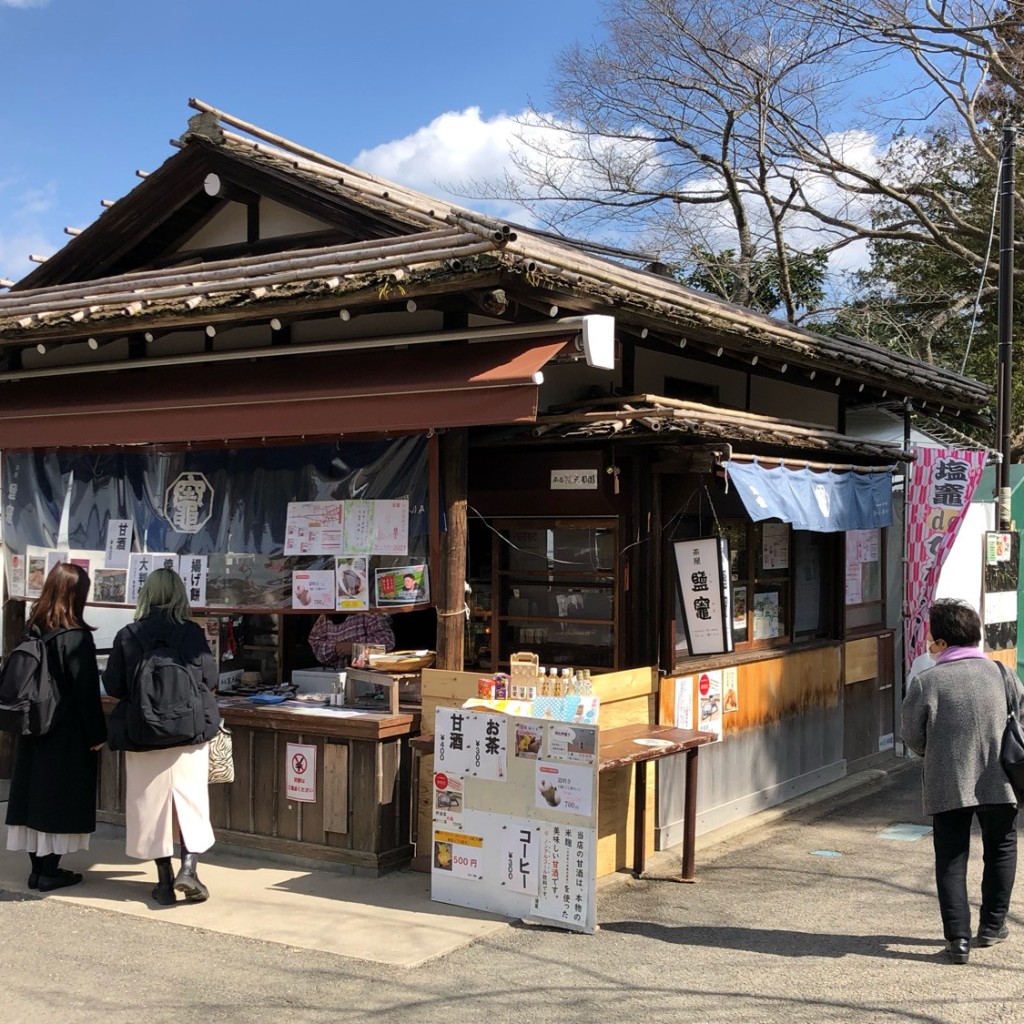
pixel 702 571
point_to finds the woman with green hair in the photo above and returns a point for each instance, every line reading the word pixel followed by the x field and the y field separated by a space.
pixel 166 772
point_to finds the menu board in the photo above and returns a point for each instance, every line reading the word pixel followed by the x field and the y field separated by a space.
pixel 515 830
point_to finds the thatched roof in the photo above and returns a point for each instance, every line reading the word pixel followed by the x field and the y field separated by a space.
pixel 410 244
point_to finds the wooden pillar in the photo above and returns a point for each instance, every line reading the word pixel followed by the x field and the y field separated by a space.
pixel 451 620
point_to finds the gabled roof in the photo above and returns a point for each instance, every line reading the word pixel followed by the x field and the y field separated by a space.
pixel 390 239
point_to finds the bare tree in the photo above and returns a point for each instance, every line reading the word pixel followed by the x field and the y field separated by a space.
pixel 675 121
pixel 732 125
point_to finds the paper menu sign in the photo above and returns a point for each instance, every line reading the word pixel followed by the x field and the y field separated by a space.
pixel 193 570
pixel 119 543
pixel 352 579
pixel 314 589
pixel 572 743
pixel 568 788
pixel 470 743
pixel 448 800
pixel 521 850
pixel 141 564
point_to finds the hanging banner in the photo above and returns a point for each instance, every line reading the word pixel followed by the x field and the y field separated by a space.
pixel 703 574
pixel 942 483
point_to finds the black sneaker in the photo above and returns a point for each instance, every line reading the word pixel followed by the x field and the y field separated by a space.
pixel 988 937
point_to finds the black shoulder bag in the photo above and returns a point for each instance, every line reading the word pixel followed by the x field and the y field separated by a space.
pixel 1011 750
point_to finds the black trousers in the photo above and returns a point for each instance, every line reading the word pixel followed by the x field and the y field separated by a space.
pixel 951 836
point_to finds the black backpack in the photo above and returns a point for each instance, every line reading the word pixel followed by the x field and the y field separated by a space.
pixel 165 696
pixel 28 698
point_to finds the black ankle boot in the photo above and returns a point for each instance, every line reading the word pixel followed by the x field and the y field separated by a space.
pixel 187 881
pixel 163 891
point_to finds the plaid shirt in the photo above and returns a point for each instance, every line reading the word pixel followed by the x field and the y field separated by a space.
pixel 359 628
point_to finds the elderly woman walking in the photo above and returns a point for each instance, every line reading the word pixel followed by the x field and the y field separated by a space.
pixel 954 715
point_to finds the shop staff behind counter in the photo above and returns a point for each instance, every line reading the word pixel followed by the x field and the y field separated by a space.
pixel 332 637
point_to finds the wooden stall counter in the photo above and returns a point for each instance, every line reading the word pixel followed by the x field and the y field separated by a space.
pixel 627 698
pixel 360 814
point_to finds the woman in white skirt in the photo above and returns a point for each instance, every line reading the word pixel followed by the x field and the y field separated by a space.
pixel 165 781
pixel 51 809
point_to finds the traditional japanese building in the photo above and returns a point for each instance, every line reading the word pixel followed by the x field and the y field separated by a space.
pixel 256 324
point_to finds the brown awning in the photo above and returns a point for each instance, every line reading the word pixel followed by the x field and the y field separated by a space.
pixel 450 385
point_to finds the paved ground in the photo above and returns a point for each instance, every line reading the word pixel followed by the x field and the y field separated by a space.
pixel 773 933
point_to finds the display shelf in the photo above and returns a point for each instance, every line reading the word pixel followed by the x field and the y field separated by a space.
pixel 556 593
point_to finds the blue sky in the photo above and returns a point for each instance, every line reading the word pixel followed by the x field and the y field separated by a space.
pixel 416 91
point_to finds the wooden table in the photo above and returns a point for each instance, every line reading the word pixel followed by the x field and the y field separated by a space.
pixel 636 745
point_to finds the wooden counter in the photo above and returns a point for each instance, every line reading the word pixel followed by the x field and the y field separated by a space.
pixel 363 768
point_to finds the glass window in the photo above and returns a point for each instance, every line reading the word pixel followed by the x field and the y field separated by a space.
pixel 782 585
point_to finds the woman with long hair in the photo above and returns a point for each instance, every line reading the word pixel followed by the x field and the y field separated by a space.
pixel 165 780
pixel 51 809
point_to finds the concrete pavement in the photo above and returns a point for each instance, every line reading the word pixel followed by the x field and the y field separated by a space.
pixel 814 917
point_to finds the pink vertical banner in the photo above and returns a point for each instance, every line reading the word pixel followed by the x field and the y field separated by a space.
pixel 942 484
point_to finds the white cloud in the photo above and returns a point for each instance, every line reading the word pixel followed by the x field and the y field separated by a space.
pixel 23 3
pixel 456 146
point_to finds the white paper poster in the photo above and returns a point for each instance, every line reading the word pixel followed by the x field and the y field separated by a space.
pixel 572 743
pixel 567 787
pixel 55 558
pixel 709 703
pixel 567 879
pixel 313 589
pixel 471 743
pixel 353 583
pixel 193 570
pixel 119 543
pixel 766 615
pixel 141 564
pixel 448 800
pixel 730 690
pixel 16 575
pixel 314 528
pixel 391 528
pixel 300 772
pixel 460 854
pixel 684 703
pixel 521 842
pixel 35 562
pixel 775 545
pixel 110 586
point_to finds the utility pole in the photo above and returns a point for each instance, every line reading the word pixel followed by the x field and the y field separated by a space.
pixel 1005 374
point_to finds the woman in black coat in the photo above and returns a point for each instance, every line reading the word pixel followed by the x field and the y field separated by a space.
pixel 51 809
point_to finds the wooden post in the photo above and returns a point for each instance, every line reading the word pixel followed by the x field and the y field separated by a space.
pixel 451 622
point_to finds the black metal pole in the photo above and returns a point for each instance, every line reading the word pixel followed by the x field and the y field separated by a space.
pixel 1005 392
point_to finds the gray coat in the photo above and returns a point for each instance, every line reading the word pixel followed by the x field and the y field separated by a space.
pixel 954 715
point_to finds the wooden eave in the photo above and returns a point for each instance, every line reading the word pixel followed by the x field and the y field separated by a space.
pixel 654 419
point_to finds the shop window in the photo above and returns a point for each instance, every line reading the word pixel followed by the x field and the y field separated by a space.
pixel 543 585
pixel 865 575
pixel 782 586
